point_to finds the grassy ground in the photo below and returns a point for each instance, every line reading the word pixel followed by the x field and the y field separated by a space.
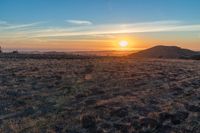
pixel 99 95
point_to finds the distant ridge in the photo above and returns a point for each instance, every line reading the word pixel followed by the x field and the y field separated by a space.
pixel 47 55
pixel 171 52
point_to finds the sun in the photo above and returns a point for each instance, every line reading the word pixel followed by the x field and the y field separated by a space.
pixel 123 43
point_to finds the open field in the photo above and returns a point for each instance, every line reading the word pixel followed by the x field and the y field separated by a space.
pixel 105 95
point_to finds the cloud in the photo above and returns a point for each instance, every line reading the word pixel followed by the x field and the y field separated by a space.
pixel 128 28
pixel 79 22
pixel 8 26
pixel 35 30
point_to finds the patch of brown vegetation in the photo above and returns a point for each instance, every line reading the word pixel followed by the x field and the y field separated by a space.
pixel 99 95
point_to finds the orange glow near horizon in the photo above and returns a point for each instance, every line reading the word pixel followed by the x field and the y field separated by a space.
pixel 98 44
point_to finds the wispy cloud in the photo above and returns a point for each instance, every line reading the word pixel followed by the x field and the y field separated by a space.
pixel 110 29
pixel 79 22
pixel 8 26
pixel 35 30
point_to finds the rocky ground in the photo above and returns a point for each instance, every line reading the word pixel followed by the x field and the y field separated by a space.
pixel 108 95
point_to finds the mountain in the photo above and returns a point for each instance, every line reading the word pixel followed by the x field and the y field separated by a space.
pixel 166 52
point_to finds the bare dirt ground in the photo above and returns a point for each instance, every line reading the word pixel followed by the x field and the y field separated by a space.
pixel 108 95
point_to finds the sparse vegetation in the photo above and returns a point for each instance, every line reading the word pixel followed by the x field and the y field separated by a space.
pixel 99 95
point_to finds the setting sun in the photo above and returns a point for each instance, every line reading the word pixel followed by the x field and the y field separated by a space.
pixel 123 43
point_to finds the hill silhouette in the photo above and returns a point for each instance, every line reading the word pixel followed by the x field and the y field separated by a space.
pixel 171 52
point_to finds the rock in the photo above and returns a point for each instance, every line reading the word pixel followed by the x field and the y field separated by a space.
pixel 59 127
pixel 121 112
pixel 186 131
pixel 46 108
pixel 28 111
pixel 196 129
pixel 106 125
pixel 164 116
pixel 20 103
pixel 80 95
pixel 72 131
pixel 90 101
pixel 100 131
pixel 88 77
pixel 143 111
pixel 88 121
pixel 58 77
pixel 164 129
pixel 13 93
pixel 153 101
pixel 98 91
pixel 177 91
pixel 136 124
pixel 193 125
pixel 130 119
pixel 148 124
pixel 179 117
pixel 122 127
pixel 192 108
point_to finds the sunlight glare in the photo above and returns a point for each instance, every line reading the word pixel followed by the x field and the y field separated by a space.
pixel 123 43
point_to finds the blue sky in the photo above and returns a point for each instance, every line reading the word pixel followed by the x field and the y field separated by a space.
pixel 100 11
pixel 79 19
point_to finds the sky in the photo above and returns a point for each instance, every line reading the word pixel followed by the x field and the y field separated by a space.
pixel 76 25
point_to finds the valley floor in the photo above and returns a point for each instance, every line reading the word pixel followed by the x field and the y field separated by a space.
pixel 107 95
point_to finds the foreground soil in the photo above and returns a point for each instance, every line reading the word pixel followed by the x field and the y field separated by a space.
pixel 107 95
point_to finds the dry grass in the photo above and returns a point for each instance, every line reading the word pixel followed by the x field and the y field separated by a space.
pixel 53 95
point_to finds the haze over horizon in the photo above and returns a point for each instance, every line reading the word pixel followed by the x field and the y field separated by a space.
pixel 77 25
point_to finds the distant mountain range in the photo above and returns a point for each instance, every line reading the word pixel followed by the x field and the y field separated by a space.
pixel 165 52
pixel 168 52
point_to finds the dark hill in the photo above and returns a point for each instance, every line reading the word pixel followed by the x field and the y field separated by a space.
pixel 195 57
pixel 165 52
